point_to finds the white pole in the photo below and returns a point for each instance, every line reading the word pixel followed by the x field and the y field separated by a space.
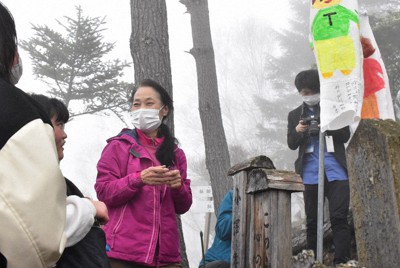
pixel 321 197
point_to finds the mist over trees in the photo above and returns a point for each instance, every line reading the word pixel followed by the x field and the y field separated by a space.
pixel 257 64
pixel 295 56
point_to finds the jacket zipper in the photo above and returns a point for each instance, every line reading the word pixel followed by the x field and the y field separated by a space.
pixel 155 190
pixel 154 228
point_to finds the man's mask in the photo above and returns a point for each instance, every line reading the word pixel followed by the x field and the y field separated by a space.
pixel 311 100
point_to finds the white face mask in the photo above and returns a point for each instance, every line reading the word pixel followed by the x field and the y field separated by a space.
pixel 311 100
pixel 147 120
pixel 16 72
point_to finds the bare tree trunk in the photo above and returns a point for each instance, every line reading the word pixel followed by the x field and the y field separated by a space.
pixel 150 42
pixel 217 154
pixel 149 45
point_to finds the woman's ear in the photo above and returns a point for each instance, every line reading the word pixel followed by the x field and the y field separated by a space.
pixel 164 111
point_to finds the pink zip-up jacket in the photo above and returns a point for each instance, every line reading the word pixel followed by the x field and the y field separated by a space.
pixel 140 215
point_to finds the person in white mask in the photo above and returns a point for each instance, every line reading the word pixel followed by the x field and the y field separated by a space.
pixel 142 180
pixel 303 134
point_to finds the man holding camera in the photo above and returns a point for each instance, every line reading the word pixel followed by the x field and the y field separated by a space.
pixel 303 133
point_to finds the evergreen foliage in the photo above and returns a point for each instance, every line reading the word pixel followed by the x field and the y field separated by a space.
pixel 74 67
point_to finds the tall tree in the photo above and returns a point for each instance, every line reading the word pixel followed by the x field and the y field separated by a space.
pixel 73 67
pixel 149 45
pixel 216 147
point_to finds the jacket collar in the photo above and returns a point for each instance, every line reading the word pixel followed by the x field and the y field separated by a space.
pixel 146 141
pixel 131 136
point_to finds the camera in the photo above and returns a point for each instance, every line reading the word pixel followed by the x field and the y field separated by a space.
pixel 312 121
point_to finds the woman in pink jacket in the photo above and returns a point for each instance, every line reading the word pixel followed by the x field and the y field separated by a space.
pixel 142 179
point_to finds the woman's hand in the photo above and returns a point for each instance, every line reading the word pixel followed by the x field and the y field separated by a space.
pixel 154 175
pixel 161 175
pixel 175 180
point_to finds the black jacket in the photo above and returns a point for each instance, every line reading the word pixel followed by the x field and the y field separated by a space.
pixel 16 110
pixel 90 252
pixel 299 140
pixel 28 164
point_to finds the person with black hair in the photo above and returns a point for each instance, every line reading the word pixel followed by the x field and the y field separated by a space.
pixel 142 179
pixel 38 220
pixel 303 134
pixel 89 250
pixel 32 188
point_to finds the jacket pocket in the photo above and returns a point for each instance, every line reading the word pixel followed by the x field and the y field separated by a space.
pixel 117 225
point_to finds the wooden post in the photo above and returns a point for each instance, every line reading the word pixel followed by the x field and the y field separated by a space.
pixel 261 231
pixel 373 157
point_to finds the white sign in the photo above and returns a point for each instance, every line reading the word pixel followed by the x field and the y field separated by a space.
pixel 202 192
pixel 205 206
pixel 202 199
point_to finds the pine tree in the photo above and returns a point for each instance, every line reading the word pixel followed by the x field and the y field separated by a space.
pixel 73 64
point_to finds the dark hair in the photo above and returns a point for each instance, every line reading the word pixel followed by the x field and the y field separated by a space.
pixel 8 42
pixel 165 152
pixel 53 107
pixel 307 79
